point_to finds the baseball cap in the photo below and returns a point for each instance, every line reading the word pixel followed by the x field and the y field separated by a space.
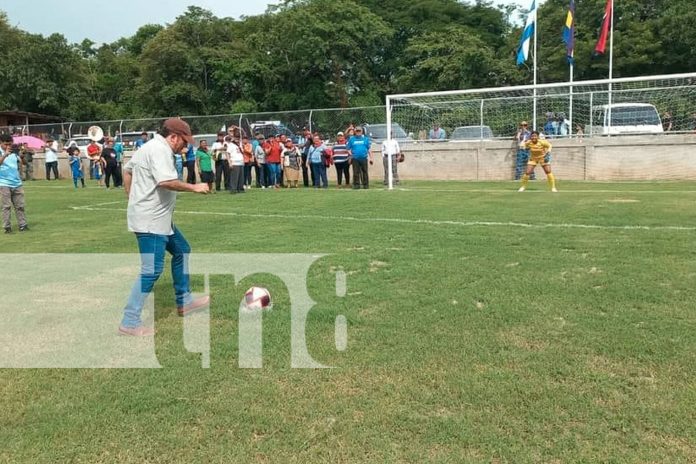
pixel 340 133
pixel 179 127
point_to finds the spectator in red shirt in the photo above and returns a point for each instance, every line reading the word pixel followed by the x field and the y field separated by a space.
pixel 96 167
pixel 273 150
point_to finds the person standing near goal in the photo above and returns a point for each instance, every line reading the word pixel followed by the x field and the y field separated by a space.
pixel 537 153
pixel 391 149
pixel 359 147
pixel 151 183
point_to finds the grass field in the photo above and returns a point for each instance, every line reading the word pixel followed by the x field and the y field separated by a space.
pixel 483 326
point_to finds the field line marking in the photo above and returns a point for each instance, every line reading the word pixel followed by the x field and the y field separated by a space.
pixel 431 222
pixel 89 207
pixel 420 189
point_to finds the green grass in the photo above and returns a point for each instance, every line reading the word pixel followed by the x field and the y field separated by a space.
pixel 484 326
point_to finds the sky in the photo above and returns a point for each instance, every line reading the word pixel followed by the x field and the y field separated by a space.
pixel 102 21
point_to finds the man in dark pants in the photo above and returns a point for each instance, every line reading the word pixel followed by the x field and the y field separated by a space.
pixel 191 164
pixel 305 152
pixel 222 167
pixel 27 156
pixel 359 146
pixel 111 165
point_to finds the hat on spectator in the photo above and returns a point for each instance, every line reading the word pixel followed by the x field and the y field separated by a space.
pixel 180 128
pixel 340 133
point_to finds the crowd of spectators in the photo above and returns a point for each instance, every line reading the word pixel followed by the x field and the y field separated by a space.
pixel 237 163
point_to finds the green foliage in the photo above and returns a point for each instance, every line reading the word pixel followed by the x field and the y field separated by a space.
pixel 320 53
pixel 453 58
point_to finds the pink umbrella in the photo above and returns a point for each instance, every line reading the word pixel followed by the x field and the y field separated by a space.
pixel 32 142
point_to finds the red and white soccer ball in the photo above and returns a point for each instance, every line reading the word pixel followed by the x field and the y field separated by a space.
pixel 257 299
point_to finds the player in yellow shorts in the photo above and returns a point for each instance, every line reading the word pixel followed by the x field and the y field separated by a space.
pixel 538 149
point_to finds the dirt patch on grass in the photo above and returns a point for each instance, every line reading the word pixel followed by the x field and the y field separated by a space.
pixel 518 340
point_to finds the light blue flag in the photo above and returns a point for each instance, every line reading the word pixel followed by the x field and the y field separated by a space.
pixel 527 33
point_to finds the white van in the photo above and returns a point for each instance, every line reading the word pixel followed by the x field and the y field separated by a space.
pixel 128 139
pixel 626 118
pixel 82 142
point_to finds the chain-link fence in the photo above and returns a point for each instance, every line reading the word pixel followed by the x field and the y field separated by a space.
pixel 646 105
pixel 327 122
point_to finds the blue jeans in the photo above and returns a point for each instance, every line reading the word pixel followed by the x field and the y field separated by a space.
pixel 319 175
pixel 521 165
pixel 273 174
pixel 152 248
pixel 179 168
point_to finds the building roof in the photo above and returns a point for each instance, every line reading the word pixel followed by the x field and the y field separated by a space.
pixel 27 114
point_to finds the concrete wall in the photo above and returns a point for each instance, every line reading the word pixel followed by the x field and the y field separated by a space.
pixel 615 158
pixel 655 157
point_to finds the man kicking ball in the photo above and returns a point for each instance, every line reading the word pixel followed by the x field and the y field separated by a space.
pixel 151 182
pixel 538 149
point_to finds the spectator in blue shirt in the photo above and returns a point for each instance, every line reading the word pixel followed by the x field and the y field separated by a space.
pixel 118 148
pixel 551 126
pixel 142 141
pixel 437 133
pixel 359 147
pixel 523 134
pixel 11 191
pixel 315 161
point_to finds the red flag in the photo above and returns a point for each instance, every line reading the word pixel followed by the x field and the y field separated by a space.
pixel 601 46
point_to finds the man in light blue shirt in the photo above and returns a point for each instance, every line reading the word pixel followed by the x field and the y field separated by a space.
pixel 118 148
pixel 437 133
pixel 11 190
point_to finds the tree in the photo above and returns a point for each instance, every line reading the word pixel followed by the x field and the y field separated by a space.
pixel 316 54
pixel 455 58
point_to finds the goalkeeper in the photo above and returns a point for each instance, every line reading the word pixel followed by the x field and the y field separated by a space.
pixel 538 150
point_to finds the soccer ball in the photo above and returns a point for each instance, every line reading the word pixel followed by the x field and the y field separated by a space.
pixel 257 299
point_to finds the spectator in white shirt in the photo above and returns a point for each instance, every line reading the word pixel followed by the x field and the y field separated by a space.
pixel 222 167
pixel 236 160
pixel 51 160
pixel 391 149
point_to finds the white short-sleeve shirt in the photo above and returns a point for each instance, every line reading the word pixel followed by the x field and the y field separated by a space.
pixel 236 157
pixel 151 208
pixel 51 155
pixel 219 147
pixel 390 147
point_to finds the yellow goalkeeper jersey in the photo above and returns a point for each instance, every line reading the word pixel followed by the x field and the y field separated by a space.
pixel 539 149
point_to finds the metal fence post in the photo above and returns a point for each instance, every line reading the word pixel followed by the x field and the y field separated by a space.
pixel 591 113
pixel 481 128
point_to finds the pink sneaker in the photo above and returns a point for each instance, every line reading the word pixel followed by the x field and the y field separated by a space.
pixel 140 331
pixel 197 304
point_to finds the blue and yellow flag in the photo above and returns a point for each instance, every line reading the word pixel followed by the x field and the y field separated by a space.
pixel 569 33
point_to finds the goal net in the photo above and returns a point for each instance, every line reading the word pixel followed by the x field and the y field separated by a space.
pixel 584 119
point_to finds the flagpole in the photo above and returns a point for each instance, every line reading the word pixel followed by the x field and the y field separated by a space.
pixel 534 117
pixel 570 104
pixel 611 63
